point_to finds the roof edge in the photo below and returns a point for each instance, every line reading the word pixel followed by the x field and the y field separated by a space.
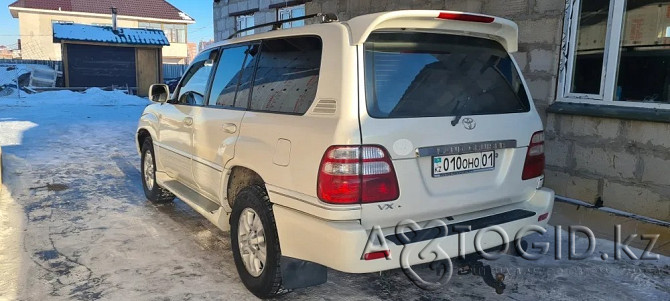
pixel 60 12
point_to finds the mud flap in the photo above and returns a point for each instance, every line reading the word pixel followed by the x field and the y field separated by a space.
pixel 298 273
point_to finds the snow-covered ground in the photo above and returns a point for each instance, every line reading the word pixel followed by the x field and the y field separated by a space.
pixel 10 73
pixel 86 231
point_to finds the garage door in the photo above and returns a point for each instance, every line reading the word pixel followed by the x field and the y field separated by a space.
pixel 100 66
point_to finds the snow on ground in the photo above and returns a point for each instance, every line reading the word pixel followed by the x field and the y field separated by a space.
pixel 90 97
pixel 8 76
pixel 97 237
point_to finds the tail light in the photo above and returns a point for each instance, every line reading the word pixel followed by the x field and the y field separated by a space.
pixel 466 17
pixel 377 255
pixel 534 166
pixel 357 174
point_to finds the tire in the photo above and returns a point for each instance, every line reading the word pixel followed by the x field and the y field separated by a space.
pixel 152 190
pixel 254 201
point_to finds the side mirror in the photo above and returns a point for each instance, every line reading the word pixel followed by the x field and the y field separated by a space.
pixel 159 93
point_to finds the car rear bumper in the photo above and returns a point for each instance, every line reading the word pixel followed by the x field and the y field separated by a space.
pixel 340 245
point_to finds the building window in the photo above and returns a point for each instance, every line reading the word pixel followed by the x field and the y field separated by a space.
pixel 290 13
pixel 150 25
pixel 244 21
pixel 176 33
pixel 617 52
pixel 61 22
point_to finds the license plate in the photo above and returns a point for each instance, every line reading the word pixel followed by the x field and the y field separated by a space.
pixel 464 163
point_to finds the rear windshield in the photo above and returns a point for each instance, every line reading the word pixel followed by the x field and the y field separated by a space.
pixel 410 74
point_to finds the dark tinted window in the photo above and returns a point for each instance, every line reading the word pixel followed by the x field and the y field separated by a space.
pixel 429 75
pixel 227 76
pixel 194 83
pixel 287 75
pixel 242 98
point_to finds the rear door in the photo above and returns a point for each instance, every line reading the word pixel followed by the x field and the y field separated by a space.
pixel 455 117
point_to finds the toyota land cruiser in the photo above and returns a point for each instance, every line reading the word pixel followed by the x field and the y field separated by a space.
pixel 301 141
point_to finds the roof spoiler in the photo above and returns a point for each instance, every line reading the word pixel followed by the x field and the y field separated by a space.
pixel 502 30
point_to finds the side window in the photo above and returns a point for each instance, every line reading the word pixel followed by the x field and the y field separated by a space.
pixel 242 97
pixel 287 75
pixel 227 76
pixel 194 83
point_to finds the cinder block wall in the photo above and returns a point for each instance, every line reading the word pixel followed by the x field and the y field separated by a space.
pixel 623 163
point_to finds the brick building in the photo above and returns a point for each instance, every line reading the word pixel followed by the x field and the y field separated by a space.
pixel 599 73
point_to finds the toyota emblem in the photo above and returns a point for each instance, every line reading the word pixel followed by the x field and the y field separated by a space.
pixel 469 123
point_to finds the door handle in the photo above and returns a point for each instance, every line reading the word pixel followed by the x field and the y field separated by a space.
pixel 229 128
pixel 188 121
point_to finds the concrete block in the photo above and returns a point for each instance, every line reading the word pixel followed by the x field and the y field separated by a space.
pixel 582 126
pixel 436 4
pixel 650 133
pixel 656 170
pixel 605 162
pixel 557 152
pixel 243 5
pixel 521 60
pixel 473 6
pixel 552 127
pixel 329 6
pixel 636 199
pixel 543 31
pixel 543 60
pixel 540 89
pixel 427 4
pixel 580 188
pixel 545 6
pixel 506 8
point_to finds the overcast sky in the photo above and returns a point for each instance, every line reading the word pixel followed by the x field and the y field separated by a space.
pixel 200 10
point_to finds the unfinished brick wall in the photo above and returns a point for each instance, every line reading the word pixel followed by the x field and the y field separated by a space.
pixel 623 163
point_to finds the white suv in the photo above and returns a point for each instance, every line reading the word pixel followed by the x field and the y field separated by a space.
pixel 302 141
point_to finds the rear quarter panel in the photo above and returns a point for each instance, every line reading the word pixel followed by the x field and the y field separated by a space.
pixel 309 135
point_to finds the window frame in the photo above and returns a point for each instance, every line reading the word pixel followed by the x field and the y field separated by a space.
pixel 253 80
pixel 260 42
pixel 238 27
pixel 172 27
pixel 222 50
pixel 609 74
pixel 175 95
pixel 290 10
pixel 528 104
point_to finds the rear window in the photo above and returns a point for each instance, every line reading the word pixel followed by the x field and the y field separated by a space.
pixel 410 74
pixel 287 75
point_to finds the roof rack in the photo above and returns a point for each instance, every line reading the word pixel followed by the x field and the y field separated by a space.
pixel 323 18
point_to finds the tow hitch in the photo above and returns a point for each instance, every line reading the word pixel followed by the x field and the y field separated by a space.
pixel 473 265
pixel 477 268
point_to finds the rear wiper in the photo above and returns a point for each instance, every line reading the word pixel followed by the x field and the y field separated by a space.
pixel 458 111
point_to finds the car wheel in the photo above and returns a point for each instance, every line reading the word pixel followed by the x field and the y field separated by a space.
pixel 152 190
pixel 255 242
